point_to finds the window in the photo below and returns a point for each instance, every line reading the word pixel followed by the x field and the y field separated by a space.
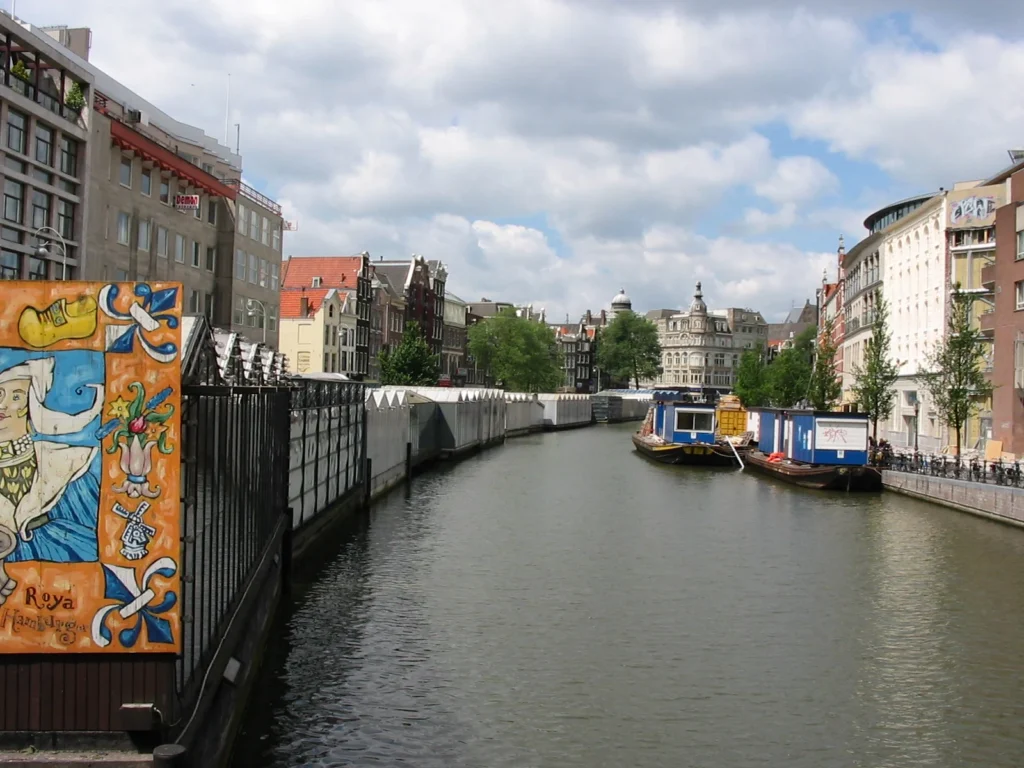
pixel 1019 286
pixel 272 318
pixel 40 209
pixel 265 232
pixel 179 249
pixel 211 211
pixel 44 144
pixel 68 186
pixel 126 172
pixel 14 201
pixel 120 275
pixel 36 269
pixel 193 301
pixel 197 212
pixel 40 175
pixel 240 264
pixel 316 282
pixel 254 269
pixel 211 258
pixel 275 276
pixel 277 237
pixel 146 184
pixel 241 219
pixel 10 235
pixel 14 164
pixel 16 132
pixel 197 254
pixel 1020 245
pixel 687 421
pixel 165 192
pixel 208 306
pixel 263 273
pixel 123 226
pixel 144 235
pixel 161 242
pixel 238 312
pixel 68 156
pixel 10 265
pixel 254 225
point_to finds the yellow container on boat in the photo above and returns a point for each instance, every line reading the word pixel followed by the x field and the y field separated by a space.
pixel 731 422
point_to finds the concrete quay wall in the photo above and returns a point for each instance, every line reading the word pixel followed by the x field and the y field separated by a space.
pixel 996 502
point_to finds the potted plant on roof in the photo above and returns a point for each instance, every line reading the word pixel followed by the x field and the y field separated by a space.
pixel 75 100
pixel 20 70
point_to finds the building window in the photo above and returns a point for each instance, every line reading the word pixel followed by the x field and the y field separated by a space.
pixel 40 209
pixel 144 235
pixel 146 183
pixel 254 269
pixel 68 156
pixel 211 211
pixel 10 265
pixel 197 254
pixel 123 225
pixel 211 258
pixel 14 201
pixel 193 301
pixel 14 164
pixel 265 232
pixel 275 276
pixel 208 306
pixel 241 219
pixel 240 264
pixel 66 219
pixel 197 212
pixel 238 312
pixel 1020 245
pixel 272 319
pixel 126 172
pixel 179 249
pixel 161 242
pixel 120 275
pixel 263 273
pixel 1019 286
pixel 277 237
pixel 36 269
pixel 254 226
pixel 165 192
pixel 44 144
pixel 16 132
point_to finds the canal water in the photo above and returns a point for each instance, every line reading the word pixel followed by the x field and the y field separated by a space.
pixel 560 601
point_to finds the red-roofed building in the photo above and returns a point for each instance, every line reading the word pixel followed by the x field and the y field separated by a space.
pixel 341 273
pixel 319 330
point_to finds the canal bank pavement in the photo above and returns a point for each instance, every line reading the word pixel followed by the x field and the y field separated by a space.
pixel 74 759
pixel 1000 503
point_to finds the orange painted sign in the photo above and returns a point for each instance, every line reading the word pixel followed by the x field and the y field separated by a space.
pixel 90 443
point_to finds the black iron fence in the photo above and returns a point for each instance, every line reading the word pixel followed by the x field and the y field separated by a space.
pixel 973 470
pixel 234 495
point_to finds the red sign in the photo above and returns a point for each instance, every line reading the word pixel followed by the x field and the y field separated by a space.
pixel 186 202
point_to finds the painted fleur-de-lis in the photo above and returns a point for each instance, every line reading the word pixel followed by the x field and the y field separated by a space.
pixel 120 584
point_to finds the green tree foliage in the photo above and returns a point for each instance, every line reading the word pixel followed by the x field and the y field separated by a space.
pixel 789 374
pixel 874 386
pixel 956 380
pixel 75 99
pixel 521 353
pixel 825 387
pixel 629 349
pixel 411 363
pixel 752 379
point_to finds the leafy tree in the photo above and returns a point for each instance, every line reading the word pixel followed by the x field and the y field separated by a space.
pixel 789 375
pixel 956 381
pixel 411 363
pixel 825 386
pixel 629 349
pixel 873 387
pixel 752 379
pixel 521 353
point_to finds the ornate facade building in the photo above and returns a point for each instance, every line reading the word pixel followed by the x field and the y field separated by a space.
pixel 702 348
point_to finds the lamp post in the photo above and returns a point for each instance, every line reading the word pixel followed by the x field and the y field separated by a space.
pixel 42 251
pixel 251 305
pixel 917 426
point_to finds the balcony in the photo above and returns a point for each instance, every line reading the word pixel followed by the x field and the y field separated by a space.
pixel 37 77
pixel 260 199
pixel 988 276
pixel 987 323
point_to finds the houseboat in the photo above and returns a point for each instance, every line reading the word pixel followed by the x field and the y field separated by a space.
pixel 680 431
pixel 824 450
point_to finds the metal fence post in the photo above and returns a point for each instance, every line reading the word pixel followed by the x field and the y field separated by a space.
pixel 408 462
pixel 169 756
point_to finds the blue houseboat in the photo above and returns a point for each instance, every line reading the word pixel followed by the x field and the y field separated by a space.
pixel 680 431
pixel 825 450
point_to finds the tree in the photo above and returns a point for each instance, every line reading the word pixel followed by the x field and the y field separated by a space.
pixel 629 349
pixel 873 388
pixel 519 352
pixel 789 374
pixel 955 380
pixel 752 379
pixel 825 388
pixel 411 363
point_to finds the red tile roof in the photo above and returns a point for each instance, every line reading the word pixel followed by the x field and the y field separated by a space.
pixel 291 301
pixel 333 271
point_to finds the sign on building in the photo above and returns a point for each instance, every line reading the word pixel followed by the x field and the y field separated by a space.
pixel 186 202
pixel 974 208
pixel 90 443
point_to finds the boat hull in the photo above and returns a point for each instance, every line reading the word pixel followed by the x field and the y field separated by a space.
pixel 698 454
pixel 817 477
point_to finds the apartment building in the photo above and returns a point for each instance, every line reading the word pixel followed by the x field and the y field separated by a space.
pixel 422 286
pixel 317 332
pixel 44 97
pixel 167 203
pixel 453 350
pixel 352 274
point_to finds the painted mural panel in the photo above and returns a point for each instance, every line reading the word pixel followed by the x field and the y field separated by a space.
pixel 841 434
pixel 972 208
pixel 90 439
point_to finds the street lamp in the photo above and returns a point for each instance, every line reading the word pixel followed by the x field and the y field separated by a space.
pixel 43 252
pixel 251 305
pixel 917 425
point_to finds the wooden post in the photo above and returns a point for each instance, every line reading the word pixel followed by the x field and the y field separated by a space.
pixel 408 462
pixel 169 756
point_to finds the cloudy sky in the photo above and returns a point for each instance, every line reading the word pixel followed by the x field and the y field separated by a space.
pixel 555 151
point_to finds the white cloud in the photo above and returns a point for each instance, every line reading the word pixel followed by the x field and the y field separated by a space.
pixel 797 180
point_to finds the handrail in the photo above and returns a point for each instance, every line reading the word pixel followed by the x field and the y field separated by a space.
pixel 252 194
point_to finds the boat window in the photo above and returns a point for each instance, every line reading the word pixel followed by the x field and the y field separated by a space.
pixel 688 421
